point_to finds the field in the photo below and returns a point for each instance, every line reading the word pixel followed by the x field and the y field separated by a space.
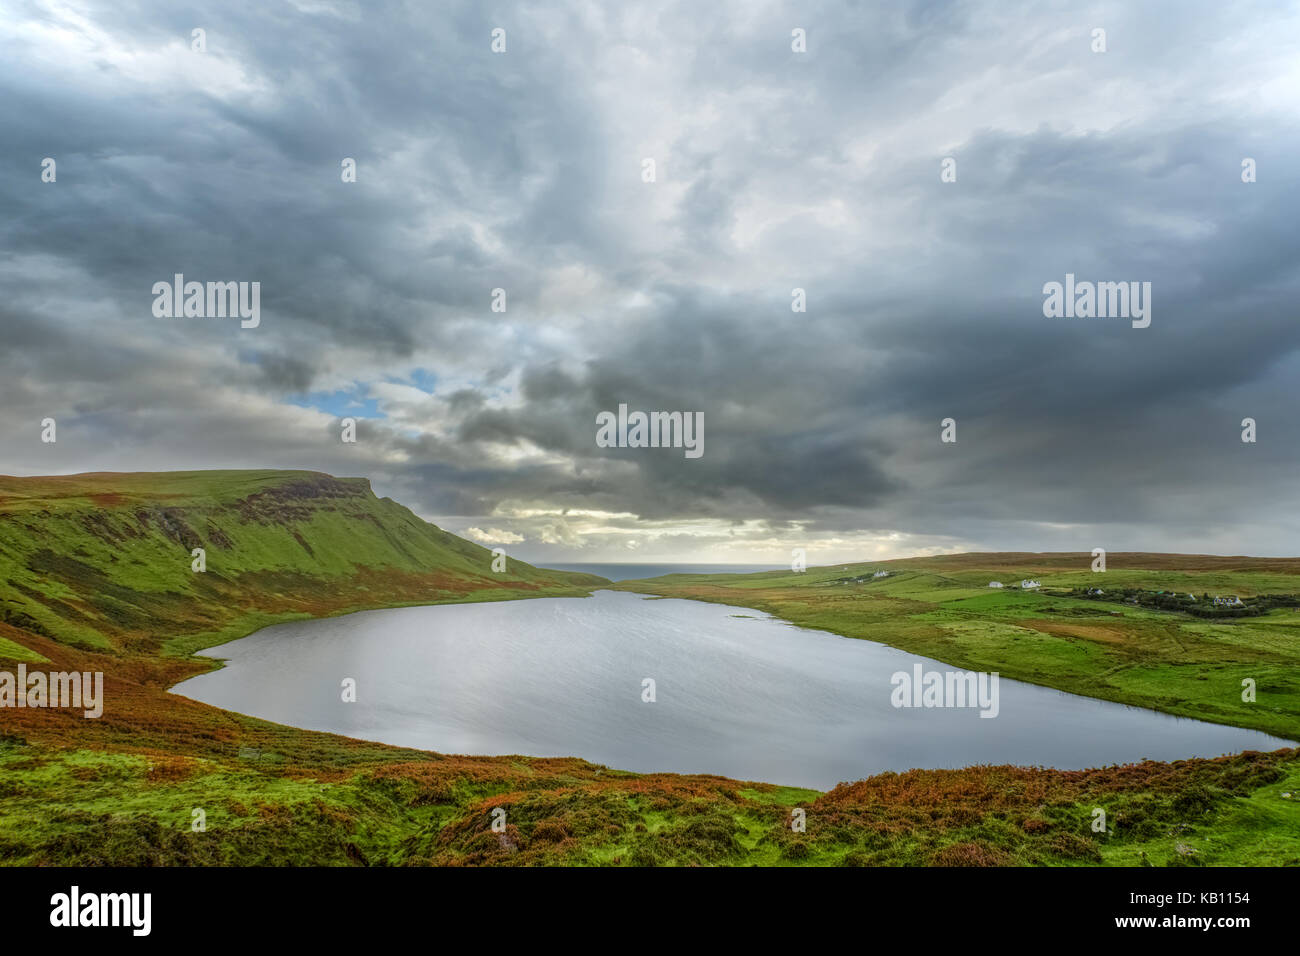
pixel 943 608
pixel 95 574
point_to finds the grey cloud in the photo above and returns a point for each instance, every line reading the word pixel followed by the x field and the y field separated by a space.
pixel 522 171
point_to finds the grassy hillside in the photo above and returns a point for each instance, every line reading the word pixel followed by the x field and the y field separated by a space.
pixel 95 575
pixel 358 804
pixel 942 607
pixel 103 561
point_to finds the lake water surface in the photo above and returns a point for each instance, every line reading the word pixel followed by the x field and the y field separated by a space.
pixel 738 693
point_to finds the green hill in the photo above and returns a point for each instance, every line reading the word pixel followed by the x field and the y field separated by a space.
pixel 95 575
pixel 104 561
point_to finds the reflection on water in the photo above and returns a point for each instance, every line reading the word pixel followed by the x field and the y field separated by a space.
pixel 737 693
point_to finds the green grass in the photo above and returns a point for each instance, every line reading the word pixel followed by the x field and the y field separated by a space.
pixel 13 651
pixel 1167 661
pixel 104 562
pixel 95 574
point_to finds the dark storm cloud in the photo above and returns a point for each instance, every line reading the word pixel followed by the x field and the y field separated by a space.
pixel 777 170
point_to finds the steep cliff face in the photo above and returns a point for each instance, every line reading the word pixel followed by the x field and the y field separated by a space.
pixel 107 561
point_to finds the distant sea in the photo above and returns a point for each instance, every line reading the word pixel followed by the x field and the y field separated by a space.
pixel 627 572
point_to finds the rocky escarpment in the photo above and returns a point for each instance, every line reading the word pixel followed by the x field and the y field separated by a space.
pixel 130 561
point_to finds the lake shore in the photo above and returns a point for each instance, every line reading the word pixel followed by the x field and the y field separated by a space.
pixel 670 686
pixel 120 790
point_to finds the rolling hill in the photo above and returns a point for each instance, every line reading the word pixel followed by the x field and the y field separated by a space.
pixel 96 575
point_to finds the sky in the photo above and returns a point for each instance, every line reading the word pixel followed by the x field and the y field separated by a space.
pixel 782 160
